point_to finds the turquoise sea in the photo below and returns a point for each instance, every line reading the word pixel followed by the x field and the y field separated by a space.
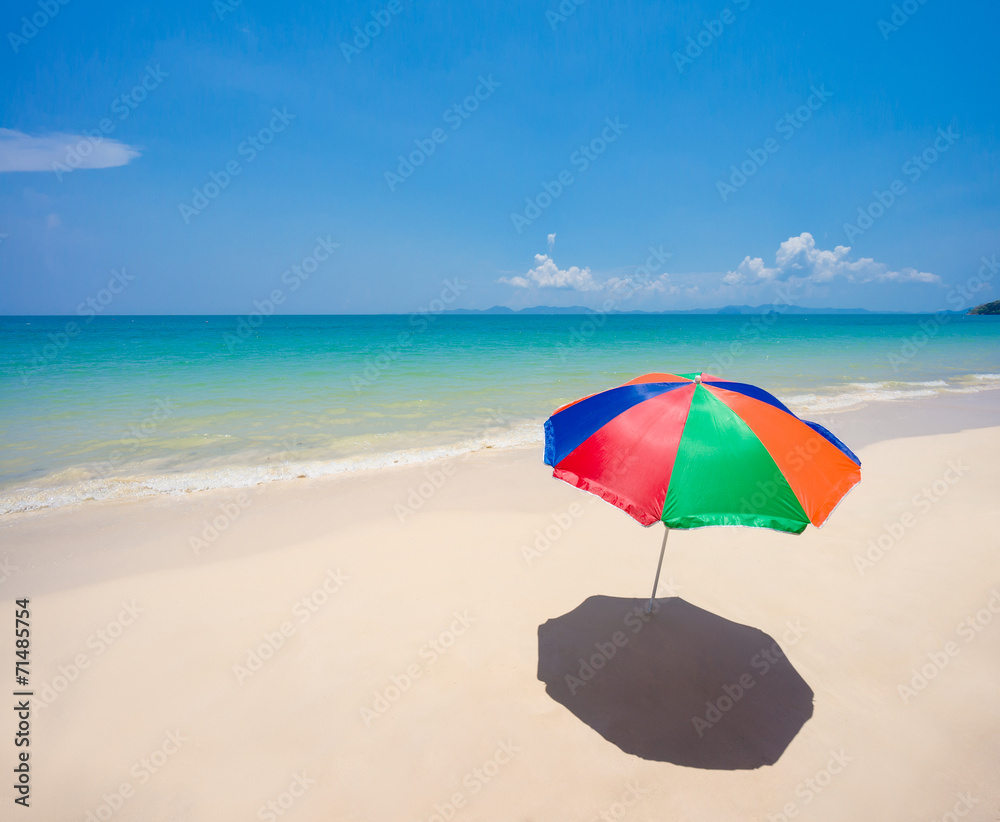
pixel 103 407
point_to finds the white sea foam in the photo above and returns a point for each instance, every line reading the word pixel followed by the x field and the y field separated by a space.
pixel 860 393
pixel 812 403
pixel 75 485
pixel 53 494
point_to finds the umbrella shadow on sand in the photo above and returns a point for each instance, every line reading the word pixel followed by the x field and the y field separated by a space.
pixel 680 685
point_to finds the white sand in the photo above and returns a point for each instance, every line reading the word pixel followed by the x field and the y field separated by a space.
pixel 296 725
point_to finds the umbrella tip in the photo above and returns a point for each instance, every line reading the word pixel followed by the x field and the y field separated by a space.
pixel 697 378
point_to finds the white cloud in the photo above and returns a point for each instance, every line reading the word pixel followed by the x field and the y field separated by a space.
pixel 546 274
pixel 800 260
pixel 22 152
pixel 626 287
pixel 622 284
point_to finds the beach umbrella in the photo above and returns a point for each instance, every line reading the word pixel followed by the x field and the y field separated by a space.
pixel 694 450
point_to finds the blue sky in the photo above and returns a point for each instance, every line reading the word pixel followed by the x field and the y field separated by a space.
pixel 532 153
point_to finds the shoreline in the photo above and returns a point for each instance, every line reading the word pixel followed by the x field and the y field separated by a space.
pixel 397 493
pixel 857 425
pixel 924 416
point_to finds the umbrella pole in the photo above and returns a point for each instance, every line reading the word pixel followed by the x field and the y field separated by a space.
pixel 666 533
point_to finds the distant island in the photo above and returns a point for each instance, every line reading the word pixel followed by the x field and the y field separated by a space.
pixel 986 308
pixel 777 308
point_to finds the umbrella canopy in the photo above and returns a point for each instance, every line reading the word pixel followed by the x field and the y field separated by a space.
pixel 692 450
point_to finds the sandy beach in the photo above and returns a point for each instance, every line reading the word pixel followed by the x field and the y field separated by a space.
pixel 368 647
pixel 358 358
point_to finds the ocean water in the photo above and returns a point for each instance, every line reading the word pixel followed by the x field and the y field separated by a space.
pixel 111 407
